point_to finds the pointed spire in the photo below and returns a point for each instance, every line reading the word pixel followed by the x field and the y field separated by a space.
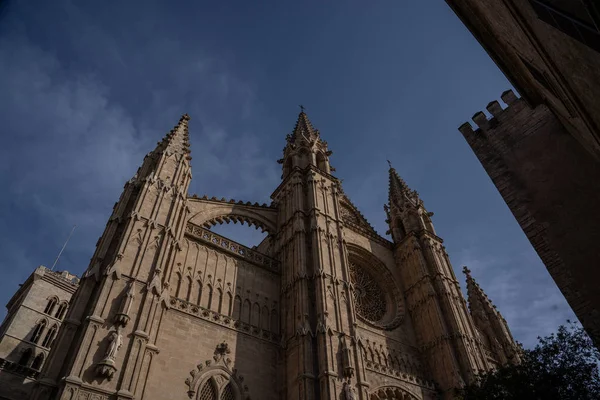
pixel 398 188
pixel 475 294
pixel 304 128
pixel 177 141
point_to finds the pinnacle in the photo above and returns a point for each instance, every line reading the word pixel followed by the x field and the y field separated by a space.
pixel 304 128
pixel 397 186
pixel 177 141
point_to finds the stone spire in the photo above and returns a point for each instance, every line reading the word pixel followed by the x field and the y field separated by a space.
pixel 490 322
pixel 304 129
pixel 177 141
pixel 399 190
pixel 304 148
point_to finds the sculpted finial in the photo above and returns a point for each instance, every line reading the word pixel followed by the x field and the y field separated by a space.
pixel 466 271
pixel 389 163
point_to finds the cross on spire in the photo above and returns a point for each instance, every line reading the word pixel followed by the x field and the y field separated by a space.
pixel 302 108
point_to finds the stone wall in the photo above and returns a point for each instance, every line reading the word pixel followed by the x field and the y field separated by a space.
pixel 550 184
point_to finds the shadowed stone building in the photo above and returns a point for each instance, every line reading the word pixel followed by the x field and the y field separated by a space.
pixel 542 151
pixel 35 313
pixel 323 308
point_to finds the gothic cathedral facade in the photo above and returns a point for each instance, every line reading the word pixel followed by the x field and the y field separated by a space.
pixel 324 308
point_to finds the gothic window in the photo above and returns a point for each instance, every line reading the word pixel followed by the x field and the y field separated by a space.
pixel 188 292
pixel 208 391
pixel 62 309
pixel 256 315
pixel 38 361
pixel 264 318
pixel 25 356
pixel 178 290
pixel 208 299
pixel 321 162
pixel 237 309
pixel 227 393
pixel 229 305
pixel 220 301
pixel 50 336
pixel 274 321
pixel 199 292
pixel 246 312
pixel 369 298
pixel 38 331
pixel 50 306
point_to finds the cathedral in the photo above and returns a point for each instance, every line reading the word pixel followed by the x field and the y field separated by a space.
pixel 323 308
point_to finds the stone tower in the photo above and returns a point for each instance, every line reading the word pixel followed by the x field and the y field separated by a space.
pixel 544 146
pixel 323 308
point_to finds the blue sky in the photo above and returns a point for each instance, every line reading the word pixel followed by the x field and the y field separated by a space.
pixel 89 89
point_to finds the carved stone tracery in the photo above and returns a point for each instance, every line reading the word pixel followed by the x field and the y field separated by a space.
pixel 369 298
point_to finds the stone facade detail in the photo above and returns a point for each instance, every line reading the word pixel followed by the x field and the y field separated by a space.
pixel 35 313
pixel 542 151
pixel 323 308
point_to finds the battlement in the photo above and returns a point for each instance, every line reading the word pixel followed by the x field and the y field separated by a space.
pixel 496 111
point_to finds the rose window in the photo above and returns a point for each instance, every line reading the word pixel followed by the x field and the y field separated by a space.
pixel 369 298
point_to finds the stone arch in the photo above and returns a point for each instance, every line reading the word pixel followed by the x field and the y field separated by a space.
pixel 38 361
pixel 216 382
pixel 210 214
pixel 52 302
pixel 392 393
pixel 380 274
pixel 38 331
pixel 62 309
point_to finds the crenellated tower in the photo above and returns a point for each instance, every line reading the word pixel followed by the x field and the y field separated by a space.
pixel 444 329
pixel 490 323
pixel 111 327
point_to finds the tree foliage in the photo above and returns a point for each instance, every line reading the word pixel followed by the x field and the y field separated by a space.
pixel 562 366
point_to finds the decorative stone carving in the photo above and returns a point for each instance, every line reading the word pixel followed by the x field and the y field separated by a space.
pixel 349 393
pixel 106 367
pixel 369 298
pixel 122 316
pixel 347 369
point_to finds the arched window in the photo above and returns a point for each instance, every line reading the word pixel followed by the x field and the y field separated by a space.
pixel 220 301
pixel 208 391
pixel 37 362
pixel 25 356
pixel 178 290
pixel 227 393
pixel 322 162
pixel 188 291
pixel 50 336
pixel 199 298
pixel 62 309
pixel 50 306
pixel 237 308
pixel 38 331
pixel 400 230
pixel 229 304
pixel 256 315
pixel 207 301
pixel 246 312
pixel 264 318
pixel 274 321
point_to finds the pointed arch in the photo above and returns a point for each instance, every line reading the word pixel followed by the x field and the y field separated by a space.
pixel 256 315
pixel 38 361
pixel 52 302
pixel 188 288
pixel 50 336
pixel 199 292
pixel 229 304
pixel 38 331
pixel 208 391
pixel 237 308
pixel 62 310
pixel 220 300
pixel 227 393
pixel 207 300
pixel 274 321
pixel 178 288
pixel 264 318
pixel 246 311
pixel 25 356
